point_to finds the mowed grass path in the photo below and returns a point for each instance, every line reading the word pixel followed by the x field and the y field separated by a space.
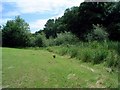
pixel 25 68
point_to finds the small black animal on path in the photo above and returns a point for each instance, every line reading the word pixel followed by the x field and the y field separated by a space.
pixel 54 55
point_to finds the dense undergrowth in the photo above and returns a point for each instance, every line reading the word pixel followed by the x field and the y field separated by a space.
pixel 93 52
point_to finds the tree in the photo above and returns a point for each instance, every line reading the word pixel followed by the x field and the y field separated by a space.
pixel 70 19
pixel 50 28
pixel 112 22
pixel 16 33
pixel 80 20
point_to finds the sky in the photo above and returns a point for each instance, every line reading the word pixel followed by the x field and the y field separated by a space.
pixel 35 12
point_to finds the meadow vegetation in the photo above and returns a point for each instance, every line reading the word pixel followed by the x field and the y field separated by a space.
pixel 36 68
pixel 85 40
pixel 97 50
pixel 93 52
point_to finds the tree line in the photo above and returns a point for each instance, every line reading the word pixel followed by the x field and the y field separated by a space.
pixel 90 21
pixel 81 20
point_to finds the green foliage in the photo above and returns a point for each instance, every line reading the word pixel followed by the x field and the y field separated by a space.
pixel 65 38
pixel 99 33
pixel 80 20
pixel 62 39
pixel 86 54
pixel 113 24
pixel 112 59
pixel 32 41
pixel 50 41
pixel 16 33
pixel 63 51
pixel 114 46
pixel 49 29
pixel 73 52
pixel 99 56
pixel 94 52
pixel 114 31
pixel 40 40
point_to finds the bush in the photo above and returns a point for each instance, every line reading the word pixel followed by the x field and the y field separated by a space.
pixel 32 41
pixel 98 33
pixel 62 39
pixel 50 41
pixel 40 40
pixel 65 38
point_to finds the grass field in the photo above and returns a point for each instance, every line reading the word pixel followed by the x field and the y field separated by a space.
pixel 29 68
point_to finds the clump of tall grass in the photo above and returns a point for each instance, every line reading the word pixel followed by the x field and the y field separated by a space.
pixel 114 46
pixel 112 59
pixel 63 51
pixel 73 52
pixel 99 56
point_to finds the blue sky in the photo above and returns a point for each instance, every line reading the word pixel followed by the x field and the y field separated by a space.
pixel 35 12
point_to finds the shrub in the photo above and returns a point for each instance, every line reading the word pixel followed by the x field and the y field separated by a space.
pixel 61 39
pixel 32 41
pixel 49 49
pixel 50 41
pixel 98 33
pixel 65 38
pixel 40 40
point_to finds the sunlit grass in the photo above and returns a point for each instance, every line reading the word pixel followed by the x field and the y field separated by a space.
pixel 25 68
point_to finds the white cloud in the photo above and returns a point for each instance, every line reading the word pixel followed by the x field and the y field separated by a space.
pixel 13 13
pixel 56 7
pixel 37 25
pixel 33 6
pixel 3 21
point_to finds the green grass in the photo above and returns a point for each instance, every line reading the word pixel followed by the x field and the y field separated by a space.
pixel 29 68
